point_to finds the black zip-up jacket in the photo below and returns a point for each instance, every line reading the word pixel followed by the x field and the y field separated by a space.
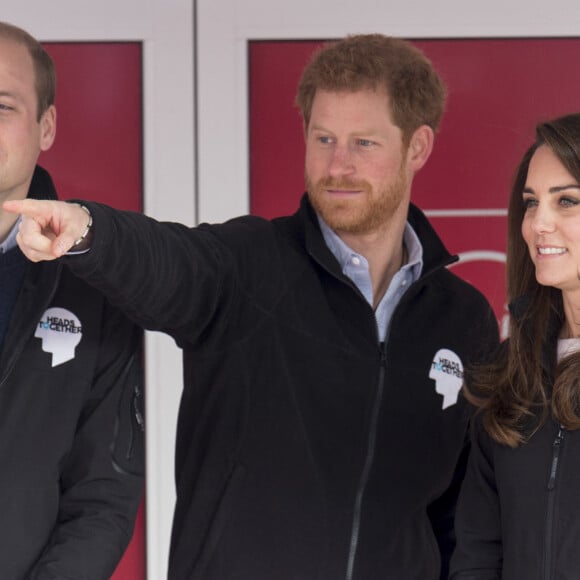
pixel 519 514
pixel 305 449
pixel 71 450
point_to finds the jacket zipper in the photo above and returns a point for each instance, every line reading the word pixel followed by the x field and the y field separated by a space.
pixel 556 448
pixel 137 418
pixel 364 478
pixel 355 530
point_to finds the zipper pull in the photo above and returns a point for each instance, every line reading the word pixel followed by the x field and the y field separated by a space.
pixel 383 355
pixel 136 407
pixel 556 446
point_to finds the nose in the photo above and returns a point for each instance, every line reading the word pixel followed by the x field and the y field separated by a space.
pixel 542 220
pixel 341 162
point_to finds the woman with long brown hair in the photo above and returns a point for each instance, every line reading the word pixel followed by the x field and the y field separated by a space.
pixel 519 511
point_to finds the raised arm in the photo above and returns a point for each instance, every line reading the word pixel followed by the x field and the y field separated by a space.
pixel 165 276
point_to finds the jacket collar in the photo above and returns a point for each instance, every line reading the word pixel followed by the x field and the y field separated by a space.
pixel 435 254
pixel 41 186
pixel 38 287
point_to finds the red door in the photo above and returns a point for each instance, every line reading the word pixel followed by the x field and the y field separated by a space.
pixel 97 155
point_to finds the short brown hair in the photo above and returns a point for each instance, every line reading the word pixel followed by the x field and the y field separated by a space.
pixel 372 61
pixel 44 70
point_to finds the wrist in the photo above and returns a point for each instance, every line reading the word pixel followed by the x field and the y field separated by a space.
pixel 83 243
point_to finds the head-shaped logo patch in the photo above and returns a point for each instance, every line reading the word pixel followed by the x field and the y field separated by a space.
pixel 60 331
pixel 447 372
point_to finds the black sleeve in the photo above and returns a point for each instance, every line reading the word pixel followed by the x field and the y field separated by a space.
pixel 478 555
pixel 442 514
pixel 102 476
pixel 164 276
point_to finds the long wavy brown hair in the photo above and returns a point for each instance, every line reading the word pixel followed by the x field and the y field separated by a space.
pixel 524 385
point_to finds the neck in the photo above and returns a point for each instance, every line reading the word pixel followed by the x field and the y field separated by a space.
pixel 385 255
pixel 382 279
pixel 570 331
pixel 571 326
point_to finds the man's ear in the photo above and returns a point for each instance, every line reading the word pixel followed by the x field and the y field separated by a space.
pixel 47 128
pixel 420 147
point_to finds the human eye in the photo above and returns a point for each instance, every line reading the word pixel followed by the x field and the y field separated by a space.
pixel 568 201
pixel 364 142
pixel 529 202
pixel 325 139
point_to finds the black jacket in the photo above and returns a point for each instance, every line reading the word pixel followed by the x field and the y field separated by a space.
pixel 519 509
pixel 305 449
pixel 71 451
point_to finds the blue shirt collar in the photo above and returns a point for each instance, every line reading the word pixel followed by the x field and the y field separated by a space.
pixel 355 267
pixel 344 254
pixel 10 242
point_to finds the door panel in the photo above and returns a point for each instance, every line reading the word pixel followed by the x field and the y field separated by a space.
pixel 97 155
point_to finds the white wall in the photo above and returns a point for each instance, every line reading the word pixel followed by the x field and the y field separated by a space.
pixel 223 29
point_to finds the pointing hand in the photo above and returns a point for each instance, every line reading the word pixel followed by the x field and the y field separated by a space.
pixel 49 229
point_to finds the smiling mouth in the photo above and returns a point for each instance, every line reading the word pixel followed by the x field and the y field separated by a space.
pixel 551 251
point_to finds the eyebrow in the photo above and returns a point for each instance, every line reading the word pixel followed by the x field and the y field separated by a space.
pixel 8 94
pixel 556 189
pixel 358 133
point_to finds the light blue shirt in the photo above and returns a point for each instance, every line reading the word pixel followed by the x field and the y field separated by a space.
pixel 10 241
pixel 356 267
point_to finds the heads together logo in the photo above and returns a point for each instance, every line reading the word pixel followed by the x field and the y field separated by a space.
pixel 60 331
pixel 447 372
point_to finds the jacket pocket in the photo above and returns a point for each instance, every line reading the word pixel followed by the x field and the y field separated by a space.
pixel 128 448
